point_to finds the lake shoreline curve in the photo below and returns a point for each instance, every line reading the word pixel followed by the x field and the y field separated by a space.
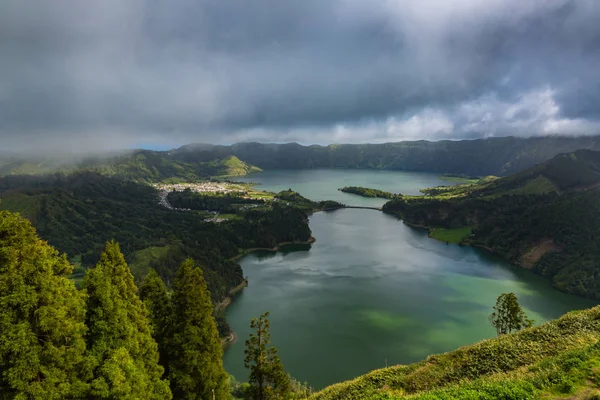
pixel 222 305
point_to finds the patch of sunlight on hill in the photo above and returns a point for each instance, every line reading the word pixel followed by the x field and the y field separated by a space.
pixel 140 260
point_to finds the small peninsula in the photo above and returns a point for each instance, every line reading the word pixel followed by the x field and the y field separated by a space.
pixel 368 192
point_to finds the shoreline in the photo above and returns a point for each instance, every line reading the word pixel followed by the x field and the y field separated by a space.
pixel 477 246
pixel 222 305
pixel 275 249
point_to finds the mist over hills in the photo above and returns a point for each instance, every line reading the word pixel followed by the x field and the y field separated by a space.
pixel 479 157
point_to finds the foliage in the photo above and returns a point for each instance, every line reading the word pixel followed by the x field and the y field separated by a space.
pixel 78 213
pixel 124 354
pixel 157 300
pixel 225 202
pixel 540 358
pixel 268 379
pixel 454 235
pixel 42 315
pixel 297 200
pixel 368 192
pixel 508 316
pixel 194 349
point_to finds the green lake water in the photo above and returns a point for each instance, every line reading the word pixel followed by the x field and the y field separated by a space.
pixel 372 291
pixel 322 184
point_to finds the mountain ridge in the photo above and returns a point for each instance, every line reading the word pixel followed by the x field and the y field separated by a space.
pixel 476 157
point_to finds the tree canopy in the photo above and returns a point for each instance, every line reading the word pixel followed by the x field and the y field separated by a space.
pixel 42 325
pixel 268 379
pixel 124 354
pixel 508 316
pixel 195 354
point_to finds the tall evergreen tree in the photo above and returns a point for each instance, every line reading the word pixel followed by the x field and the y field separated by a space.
pixel 268 379
pixel 42 346
pixel 508 316
pixel 155 296
pixel 195 354
pixel 125 356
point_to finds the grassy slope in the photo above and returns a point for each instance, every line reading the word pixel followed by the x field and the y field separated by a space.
pixel 559 357
pixel 139 261
pixel 233 166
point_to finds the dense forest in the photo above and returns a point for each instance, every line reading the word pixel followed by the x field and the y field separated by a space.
pixel 480 157
pixel 77 213
pixel 546 218
pixel 110 340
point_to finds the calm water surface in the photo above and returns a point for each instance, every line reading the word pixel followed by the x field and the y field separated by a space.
pixel 322 184
pixel 372 291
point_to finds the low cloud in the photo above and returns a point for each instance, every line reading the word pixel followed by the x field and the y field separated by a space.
pixel 123 73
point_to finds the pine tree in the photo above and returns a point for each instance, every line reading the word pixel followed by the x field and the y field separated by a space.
pixel 153 293
pixel 42 346
pixel 195 354
pixel 268 379
pixel 125 356
pixel 508 316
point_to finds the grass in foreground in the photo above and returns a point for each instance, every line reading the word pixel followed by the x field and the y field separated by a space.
pixel 548 361
pixel 454 235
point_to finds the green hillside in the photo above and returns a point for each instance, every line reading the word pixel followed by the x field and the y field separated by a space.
pixel 551 361
pixel 140 166
pixel 233 166
pixel 546 218
pixel 78 213
pixel 480 157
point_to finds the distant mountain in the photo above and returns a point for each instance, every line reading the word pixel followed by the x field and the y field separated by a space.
pixel 480 157
pixel 546 218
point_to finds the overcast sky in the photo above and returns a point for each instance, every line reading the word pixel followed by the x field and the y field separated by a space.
pixel 120 73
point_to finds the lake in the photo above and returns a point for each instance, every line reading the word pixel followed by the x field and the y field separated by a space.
pixel 372 291
pixel 322 184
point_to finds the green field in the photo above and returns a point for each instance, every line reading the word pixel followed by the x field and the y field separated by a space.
pixel 454 235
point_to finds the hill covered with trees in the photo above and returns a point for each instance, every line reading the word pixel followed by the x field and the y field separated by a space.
pixel 480 157
pixel 139 166
pixel 78 213
pixel 546 218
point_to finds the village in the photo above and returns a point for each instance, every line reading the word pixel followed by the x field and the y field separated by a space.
pixel 201 187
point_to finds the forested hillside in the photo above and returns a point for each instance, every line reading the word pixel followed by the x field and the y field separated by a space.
pixel 100 342
pixel 546 218
pixel 78 213
pixel 480 157
pixel 139 166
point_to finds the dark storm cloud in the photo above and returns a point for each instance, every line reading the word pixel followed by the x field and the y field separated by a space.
pixel 131 71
